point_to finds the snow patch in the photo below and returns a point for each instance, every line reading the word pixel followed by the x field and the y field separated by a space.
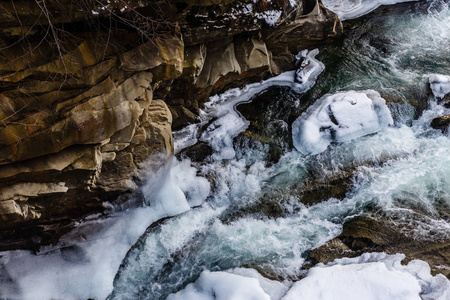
pixel 372 276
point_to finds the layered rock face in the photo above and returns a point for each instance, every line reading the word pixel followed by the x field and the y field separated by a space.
pixel 90 92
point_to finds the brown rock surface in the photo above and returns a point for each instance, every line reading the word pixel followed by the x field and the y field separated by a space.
pixel 366 234
pixel 78 120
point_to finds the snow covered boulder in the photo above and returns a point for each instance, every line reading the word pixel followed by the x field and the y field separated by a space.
pixel 440 85
pixel 340 117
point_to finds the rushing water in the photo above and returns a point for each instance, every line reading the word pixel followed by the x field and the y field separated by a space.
pixel 401 172
pixel 249 209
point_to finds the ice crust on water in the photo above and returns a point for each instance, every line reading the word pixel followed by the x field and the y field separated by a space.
pixel 352 9
pixel 340 117
pixel 440 85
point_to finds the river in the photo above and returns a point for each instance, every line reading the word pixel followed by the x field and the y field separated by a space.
pixel 242 221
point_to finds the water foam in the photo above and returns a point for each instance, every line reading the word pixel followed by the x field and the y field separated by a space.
pixel 87 269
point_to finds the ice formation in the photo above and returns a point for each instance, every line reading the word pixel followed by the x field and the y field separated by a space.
pixel 440 85
pixel 229 123
pixel 352 9
pixel 340 117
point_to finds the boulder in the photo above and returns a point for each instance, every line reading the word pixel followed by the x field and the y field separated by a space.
pixel 316 25
pixel 366 234
pixel 442 123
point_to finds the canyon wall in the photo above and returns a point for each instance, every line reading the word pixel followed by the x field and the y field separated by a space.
pixel 91 90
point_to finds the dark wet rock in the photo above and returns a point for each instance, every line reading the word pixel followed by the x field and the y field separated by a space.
pixel 86 111
pixel 367 234
pixel 270 114
pixel 325 189
pixel 196 153
pixel 442 123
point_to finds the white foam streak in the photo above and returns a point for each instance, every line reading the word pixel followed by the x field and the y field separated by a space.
pixel 149 257
pixel 86 271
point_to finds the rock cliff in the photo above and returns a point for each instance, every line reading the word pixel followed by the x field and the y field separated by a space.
pixel 91 90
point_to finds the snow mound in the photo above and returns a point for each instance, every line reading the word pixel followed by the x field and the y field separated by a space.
pixel 222 286
pixel 340 117
pixel 440 85
pixel 372 276
pixel 352 9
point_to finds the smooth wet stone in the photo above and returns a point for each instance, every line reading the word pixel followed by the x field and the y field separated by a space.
pixel 442 123
pixel 366 234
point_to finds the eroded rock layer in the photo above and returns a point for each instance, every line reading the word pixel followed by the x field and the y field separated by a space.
pixel 90 92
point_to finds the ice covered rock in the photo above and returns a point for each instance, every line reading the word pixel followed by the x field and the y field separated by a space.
pixel 229 123
pixel 308 68
pixel 195 188
pixel 340 117
pixel 440 85
pixel 352 9
pixel 165 195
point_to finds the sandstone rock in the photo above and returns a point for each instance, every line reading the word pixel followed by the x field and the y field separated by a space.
pixel 220 60
pixel 79 124
pixel 13 203
pixel 166 53
pixel 89 122
pixel 194 59
pixel 82 158
pixel 319 25
pixel 252 53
